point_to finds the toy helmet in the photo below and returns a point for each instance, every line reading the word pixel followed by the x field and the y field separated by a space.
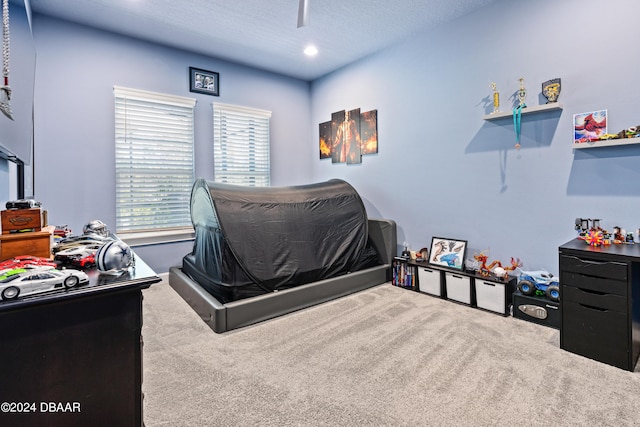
pixel 96 227
pixel 114 257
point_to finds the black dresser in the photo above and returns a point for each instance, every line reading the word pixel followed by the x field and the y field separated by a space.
pixel 74 357
pixel 600 302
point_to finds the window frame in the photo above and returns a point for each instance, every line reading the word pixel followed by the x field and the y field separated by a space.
pixel 154 235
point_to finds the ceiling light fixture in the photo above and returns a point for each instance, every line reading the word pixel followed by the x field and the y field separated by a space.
pixel 303 13
pixel 310 51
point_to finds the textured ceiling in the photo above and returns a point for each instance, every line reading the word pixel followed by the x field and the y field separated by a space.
pixel 264 33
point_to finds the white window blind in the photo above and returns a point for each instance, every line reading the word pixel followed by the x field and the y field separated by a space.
pixel 241 145
pixel 154 160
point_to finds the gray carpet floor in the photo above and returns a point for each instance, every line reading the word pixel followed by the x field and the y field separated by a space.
pixel 381 357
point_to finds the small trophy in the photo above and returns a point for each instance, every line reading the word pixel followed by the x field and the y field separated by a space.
pixel 551 90
pixel 522 93
pixel 496 98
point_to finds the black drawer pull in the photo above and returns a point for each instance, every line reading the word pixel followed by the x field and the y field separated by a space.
pixel 457 277
pixel 586 261
pixel 589 291
pixel 489 283
pixel 427 270
pixel 593 308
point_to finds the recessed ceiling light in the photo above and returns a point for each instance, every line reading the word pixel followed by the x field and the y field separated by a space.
pixel 311 51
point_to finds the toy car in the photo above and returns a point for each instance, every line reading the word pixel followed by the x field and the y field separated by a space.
pixel 539 281
pixel 37 280
pixel 77 241
pixel 25 261
pixel 82 256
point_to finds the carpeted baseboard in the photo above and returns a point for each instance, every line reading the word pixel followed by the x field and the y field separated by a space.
pixel 381 357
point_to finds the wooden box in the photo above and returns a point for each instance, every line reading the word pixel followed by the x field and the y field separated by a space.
pixel 14 220
pixel 35 243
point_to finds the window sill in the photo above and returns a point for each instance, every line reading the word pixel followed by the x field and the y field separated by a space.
pixel 157 237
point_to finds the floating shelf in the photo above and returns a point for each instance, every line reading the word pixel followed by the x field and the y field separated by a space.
pixel 606 143
pixel 527 110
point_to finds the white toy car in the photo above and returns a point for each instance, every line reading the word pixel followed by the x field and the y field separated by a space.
pixel 37 280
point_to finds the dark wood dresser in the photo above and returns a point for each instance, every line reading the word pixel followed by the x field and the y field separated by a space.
pixel 74 357
pixel 600 302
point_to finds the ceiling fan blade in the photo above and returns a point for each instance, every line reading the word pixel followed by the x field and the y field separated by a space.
pixel 303 13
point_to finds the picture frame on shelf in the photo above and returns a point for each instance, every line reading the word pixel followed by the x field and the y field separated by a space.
pixel 203 81
pixel 448 253
pixel 589 126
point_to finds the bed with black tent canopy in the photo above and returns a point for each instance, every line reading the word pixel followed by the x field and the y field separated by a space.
pixel 260 252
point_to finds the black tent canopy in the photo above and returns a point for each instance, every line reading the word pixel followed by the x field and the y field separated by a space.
pixel 254 240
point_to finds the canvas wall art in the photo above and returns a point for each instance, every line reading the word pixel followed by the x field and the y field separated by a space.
pixel 589 126
pixel 348 136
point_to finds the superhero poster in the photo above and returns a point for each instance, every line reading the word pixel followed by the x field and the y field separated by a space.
pixel 589 126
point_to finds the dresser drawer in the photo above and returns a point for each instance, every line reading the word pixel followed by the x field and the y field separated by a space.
pixel 596 284
pixel 595 300
pixel 598 334
pixel 607 269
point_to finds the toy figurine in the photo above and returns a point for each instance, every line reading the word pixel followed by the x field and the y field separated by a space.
pixel 594 238
pixel 618 236
pixel 422 255
pixel 495 266
pixel 582 224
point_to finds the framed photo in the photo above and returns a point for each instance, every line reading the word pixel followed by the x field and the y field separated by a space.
pixel 448 253
pixel 589 126
pixel 203 81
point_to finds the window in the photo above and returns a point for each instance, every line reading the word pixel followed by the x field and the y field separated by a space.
pixel 154 161
pixel 241 145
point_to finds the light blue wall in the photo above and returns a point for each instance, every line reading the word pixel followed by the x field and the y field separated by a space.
pixel 77 68
pixel 443 171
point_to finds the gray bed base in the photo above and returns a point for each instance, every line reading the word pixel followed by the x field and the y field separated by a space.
pixel 237 314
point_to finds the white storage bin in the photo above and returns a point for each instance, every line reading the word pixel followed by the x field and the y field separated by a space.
pixel 458 287
pixel 429 281
pixel 491 295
